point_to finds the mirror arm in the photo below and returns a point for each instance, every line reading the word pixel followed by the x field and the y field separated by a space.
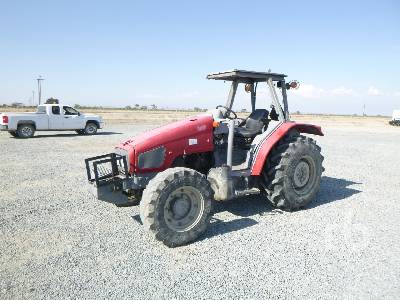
pixel 275 100
pixel 284 99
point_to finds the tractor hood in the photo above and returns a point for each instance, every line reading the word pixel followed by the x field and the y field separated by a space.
pixel 155 150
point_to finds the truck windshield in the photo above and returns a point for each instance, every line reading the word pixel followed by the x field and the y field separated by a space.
pixel 70 111
pixel 41 110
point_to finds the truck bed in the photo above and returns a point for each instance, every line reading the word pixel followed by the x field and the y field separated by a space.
pixel 41 120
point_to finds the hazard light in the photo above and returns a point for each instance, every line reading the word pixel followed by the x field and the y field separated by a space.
pixel 215 124
pixel 5 119
pixel 294 84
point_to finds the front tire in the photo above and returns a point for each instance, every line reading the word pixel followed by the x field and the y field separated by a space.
pixel 293 173
pixel 176 206
pixel 25 131
pixel 90 128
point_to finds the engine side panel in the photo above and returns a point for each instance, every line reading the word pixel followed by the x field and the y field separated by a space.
pixel 280 132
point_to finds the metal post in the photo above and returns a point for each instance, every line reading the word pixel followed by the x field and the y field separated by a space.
pixel 39 81
pixel 231 126
pixel 253 97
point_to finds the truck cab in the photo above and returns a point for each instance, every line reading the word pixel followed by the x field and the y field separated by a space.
pixel 62 117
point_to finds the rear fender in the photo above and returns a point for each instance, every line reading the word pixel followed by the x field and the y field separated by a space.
pixel 24 122
pixel 275 137
pixel 93 121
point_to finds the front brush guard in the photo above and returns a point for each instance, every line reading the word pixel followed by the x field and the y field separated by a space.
pixel 108 175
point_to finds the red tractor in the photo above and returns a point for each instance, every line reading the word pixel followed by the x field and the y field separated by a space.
pixel 177 171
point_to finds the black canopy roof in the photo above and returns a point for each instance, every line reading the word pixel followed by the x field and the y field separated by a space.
pixel 246 76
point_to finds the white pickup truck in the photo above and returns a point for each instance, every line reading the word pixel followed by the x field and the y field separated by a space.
pixel 49 117
pixel 395 118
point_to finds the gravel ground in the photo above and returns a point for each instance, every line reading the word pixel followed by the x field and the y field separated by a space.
pixel 57 241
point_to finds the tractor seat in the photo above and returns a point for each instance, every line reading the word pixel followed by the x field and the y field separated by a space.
pixel 253 125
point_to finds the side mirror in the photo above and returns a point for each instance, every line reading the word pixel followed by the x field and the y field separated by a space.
pixel 294 84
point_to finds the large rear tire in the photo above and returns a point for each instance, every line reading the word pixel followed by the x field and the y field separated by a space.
pixel 293 171
pixel 25 131
pixel 176 206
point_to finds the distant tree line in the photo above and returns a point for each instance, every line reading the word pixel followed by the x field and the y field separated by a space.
pixel 139 107
pixel 154 107
pixel 52 101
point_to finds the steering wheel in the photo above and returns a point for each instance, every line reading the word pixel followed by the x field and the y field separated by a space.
pixel 228 112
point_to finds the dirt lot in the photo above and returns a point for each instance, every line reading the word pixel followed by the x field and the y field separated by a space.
pixel 58 241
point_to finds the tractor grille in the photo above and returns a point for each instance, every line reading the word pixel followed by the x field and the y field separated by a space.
pixel 123 152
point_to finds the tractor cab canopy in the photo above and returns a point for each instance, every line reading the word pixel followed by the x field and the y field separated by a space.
pixel 244 76
pixel 251 80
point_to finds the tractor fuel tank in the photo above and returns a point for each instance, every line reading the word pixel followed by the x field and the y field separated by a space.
pixel 221 183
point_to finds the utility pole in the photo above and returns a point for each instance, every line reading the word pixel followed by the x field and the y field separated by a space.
pixel 33 98
pixel 364 110
pixel 39 83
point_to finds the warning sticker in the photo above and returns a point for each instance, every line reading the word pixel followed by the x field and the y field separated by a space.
pixel 192 142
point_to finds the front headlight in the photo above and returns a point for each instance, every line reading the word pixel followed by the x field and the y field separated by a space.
pixel 123 152
pixel 152 159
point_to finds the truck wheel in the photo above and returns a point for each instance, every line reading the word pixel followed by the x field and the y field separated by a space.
pixel 90 128
pixel 25 131
pixel 176 206
pixel 13 133
pixel 293 172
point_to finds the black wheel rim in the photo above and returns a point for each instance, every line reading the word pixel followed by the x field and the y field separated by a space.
pixel 91 129
pixel 183 209
pixel 26 131
pixel 304 175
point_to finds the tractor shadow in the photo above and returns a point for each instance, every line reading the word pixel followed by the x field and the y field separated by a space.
pixel 245 208
pixel 72 134
pixel 331 189
pixel 334 189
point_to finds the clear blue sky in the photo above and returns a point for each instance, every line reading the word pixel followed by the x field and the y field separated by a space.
pixel 119 53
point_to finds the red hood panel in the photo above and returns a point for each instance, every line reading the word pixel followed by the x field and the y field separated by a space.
pixel 191 135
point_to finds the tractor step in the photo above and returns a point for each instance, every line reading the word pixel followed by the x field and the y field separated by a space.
pixel 253 191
